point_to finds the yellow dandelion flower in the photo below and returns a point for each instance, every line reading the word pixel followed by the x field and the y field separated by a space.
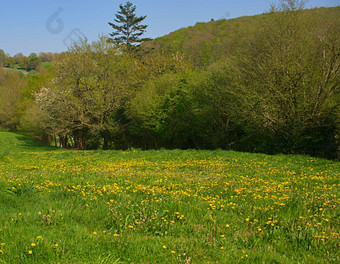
pixel 33 245
pixel 164 247
pixel 30 252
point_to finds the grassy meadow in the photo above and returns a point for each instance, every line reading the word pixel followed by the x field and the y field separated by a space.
pixel 166 206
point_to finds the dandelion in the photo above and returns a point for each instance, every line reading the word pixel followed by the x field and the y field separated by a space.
pixel 39 238
pixel 173 252
pixel 116 235
pixel 30 252
pixel 227 225
pixel 33 245
pixel 164 247
pixel 95 233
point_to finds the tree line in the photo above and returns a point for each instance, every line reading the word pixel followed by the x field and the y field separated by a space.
pixel 274 89
pixel 28 63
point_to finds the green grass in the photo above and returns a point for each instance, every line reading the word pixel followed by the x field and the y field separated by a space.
pixel 164 206
pixel 47 64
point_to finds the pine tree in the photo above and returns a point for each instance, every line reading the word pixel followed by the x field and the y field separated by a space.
pixel 128 31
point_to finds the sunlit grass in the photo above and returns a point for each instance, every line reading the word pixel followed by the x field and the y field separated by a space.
pixel 60 206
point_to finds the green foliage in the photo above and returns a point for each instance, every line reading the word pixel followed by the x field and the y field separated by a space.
pixel 34 62
pixel 27 110
pixel 11 87
pixel 128 31
pixel 3 58
pixel 207 43
pixel 289 79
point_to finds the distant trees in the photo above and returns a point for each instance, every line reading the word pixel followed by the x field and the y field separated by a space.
pixel 127 29
pixel 24 62
pixel 3 58
pixel 47 56
pixel 11 86
pixel 10 61
pixel 32 62
pixel 17 57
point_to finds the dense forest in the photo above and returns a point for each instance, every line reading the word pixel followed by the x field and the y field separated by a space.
pixel 267 83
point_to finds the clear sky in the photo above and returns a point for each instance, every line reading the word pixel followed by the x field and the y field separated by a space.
pixel 49 25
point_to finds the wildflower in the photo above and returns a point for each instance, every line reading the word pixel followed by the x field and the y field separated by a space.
pixel 33 245
pixel 164 247
pixel 173 252
pixel 30 252
pixel 116 235
pixel 227 225
pixel 39 238
pixel 95 233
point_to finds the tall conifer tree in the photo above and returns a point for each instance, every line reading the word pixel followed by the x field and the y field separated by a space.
pixel 128 30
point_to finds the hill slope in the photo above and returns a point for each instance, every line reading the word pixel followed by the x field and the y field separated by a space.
pixel 206 43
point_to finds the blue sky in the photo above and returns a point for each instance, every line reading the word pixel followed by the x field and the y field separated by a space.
pixel 48 25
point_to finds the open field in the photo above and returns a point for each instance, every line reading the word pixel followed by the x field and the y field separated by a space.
pixel 63 206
